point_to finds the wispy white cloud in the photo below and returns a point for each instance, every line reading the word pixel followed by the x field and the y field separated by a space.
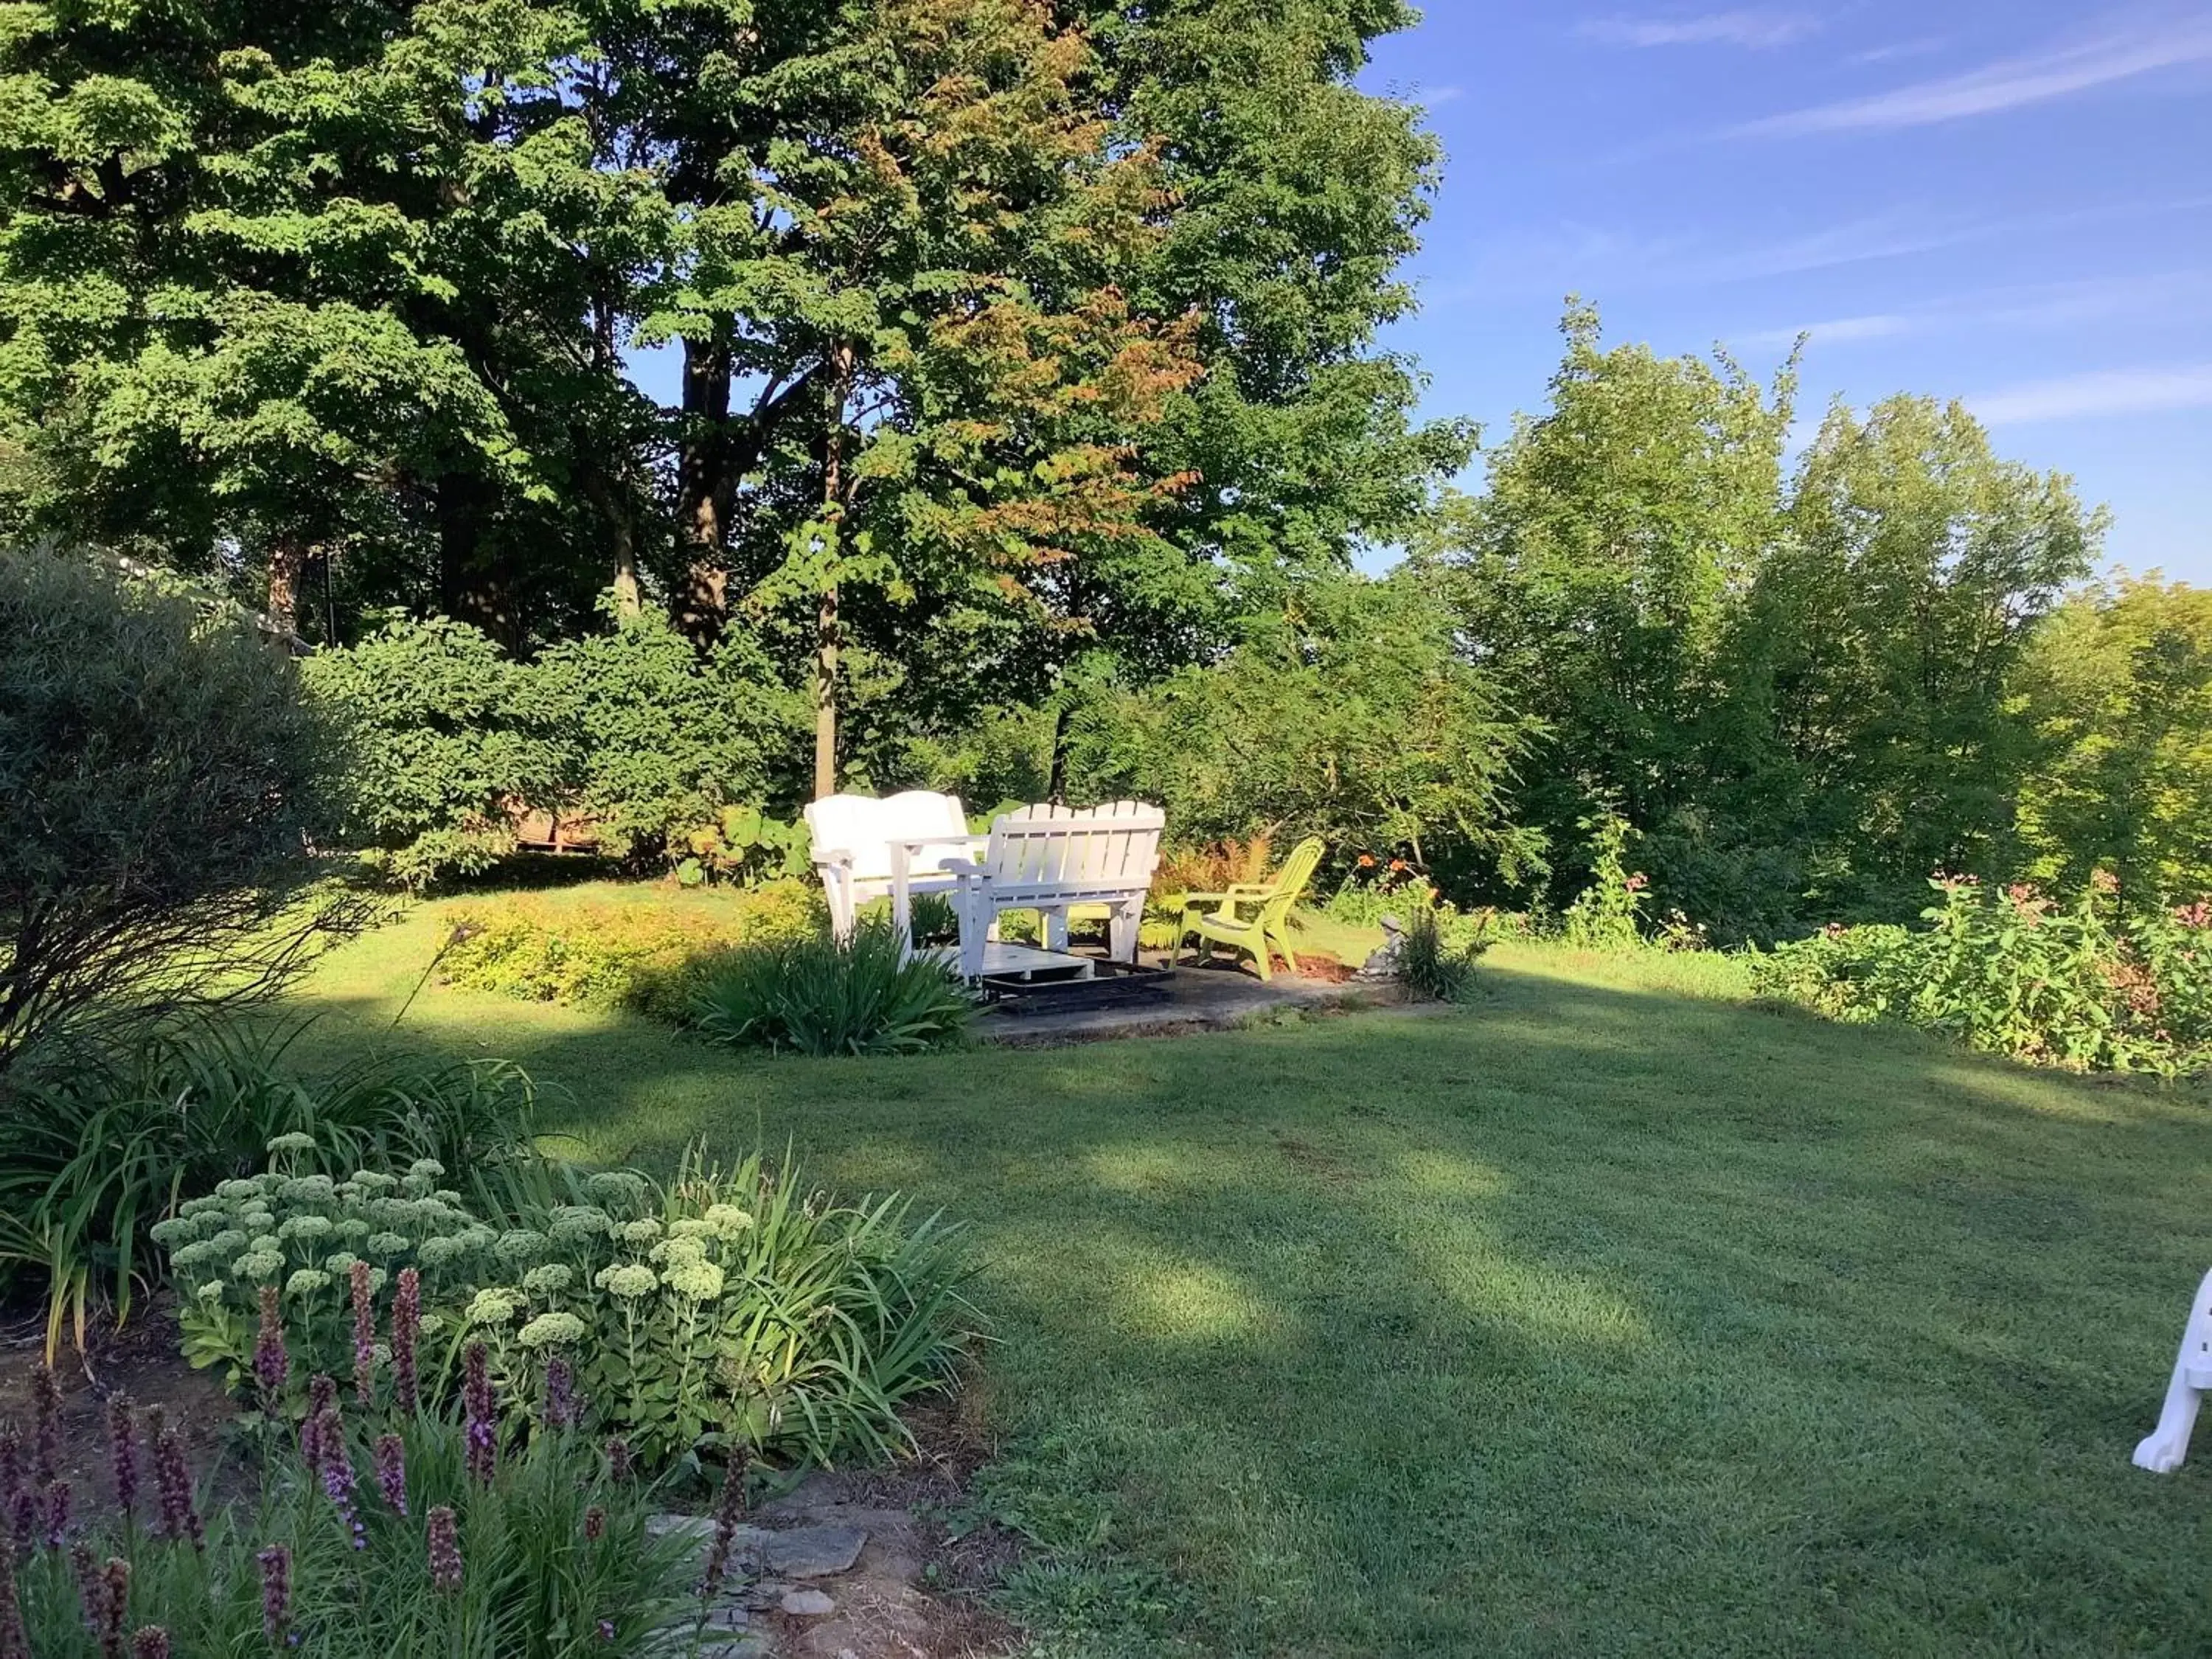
pixel 2119 54
pixel 1891 53
pixel 2102 392
pixel 1757 29
pixel 2170 296
pixel 1436 96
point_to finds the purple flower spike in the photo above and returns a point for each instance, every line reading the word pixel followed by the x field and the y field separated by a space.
pixel 123 1453
pixel 116 1577
pixel 483 1414
pixel 406 1325
pixel 46 1419
pixel 172 1480
pixel 276 1564
pixel 595 1524
pixel 727 1513
pixel 151 1642
pixel 560 1394
pixel 445 1551
pixel 272 1364
pixel 619 1462
pixel 58 1514
pixel 11 1466
pixel 322 1412
pixel 392 1471
pixel 91 1587
pixel 335 1466
pixel 364 1337
pixel 15 1641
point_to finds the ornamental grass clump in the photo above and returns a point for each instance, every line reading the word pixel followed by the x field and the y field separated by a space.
pixel 821 996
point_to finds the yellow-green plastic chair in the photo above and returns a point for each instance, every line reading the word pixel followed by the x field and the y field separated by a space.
pixel 1253 916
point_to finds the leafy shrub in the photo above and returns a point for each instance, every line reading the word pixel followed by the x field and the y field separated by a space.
pixel 1379 884
pixel 1608 914
pixel 1355 716
pixel 821 996
pixel 93 1155
pixel 2083 985
pixel 448 737
pixel 723 1309
pixel 639 950
pixel 1439 959
pixel 746 846
pixel 159 777
pixel 544 1554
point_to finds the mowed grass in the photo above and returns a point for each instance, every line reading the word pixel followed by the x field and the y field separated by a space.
pixel 1609 1316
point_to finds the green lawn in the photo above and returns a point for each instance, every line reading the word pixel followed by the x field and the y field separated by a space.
pixel 1610 1316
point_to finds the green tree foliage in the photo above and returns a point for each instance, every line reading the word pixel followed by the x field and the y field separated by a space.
pixel 1351 717
pixel 1012 331
pixel 1797 689
pixel 448 742
pixel 2117 688
pixel 1872 661
pixel 159 778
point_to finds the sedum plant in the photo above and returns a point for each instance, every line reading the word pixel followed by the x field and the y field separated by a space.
pixel 725 1310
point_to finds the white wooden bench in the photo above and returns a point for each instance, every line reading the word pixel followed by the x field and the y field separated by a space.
pixel 1051 859
pixel 866 849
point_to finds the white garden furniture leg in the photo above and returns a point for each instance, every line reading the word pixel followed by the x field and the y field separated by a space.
pixel 2163 1448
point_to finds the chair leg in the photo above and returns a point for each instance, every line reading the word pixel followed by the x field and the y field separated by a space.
pixel 1267 969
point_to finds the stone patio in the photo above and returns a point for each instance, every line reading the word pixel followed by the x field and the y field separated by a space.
pixel 1220 996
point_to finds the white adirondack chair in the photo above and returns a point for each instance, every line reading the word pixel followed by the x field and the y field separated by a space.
pixel 1050 859
pixel 865 848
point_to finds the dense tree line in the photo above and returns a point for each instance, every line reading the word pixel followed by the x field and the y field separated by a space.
pixel 1012 332
pixel 1032 416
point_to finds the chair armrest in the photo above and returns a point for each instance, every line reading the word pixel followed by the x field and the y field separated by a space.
pixel 1205 898
pixel 834 857
pixel 966 869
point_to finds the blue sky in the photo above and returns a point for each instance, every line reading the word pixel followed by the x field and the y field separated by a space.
pixel 2006 201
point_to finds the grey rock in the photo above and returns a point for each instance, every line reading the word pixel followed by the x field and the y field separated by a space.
pixel 808 1604
pixel 814 1552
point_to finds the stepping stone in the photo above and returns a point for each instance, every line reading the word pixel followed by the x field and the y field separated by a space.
pixel 808 1604
pixel 814 1552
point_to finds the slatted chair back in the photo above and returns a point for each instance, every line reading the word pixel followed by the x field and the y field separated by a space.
pixel 853 836
pixel 1066 852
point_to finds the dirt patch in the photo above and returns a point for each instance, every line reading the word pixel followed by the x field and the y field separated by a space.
pixel 140 1362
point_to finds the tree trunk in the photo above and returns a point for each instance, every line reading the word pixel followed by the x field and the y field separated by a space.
pixel 610 501
pixel 701 602
pixel 471 586
pixel 288 562
pixel 827 628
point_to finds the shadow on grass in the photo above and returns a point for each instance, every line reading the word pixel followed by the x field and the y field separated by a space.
pixel 1591 1320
